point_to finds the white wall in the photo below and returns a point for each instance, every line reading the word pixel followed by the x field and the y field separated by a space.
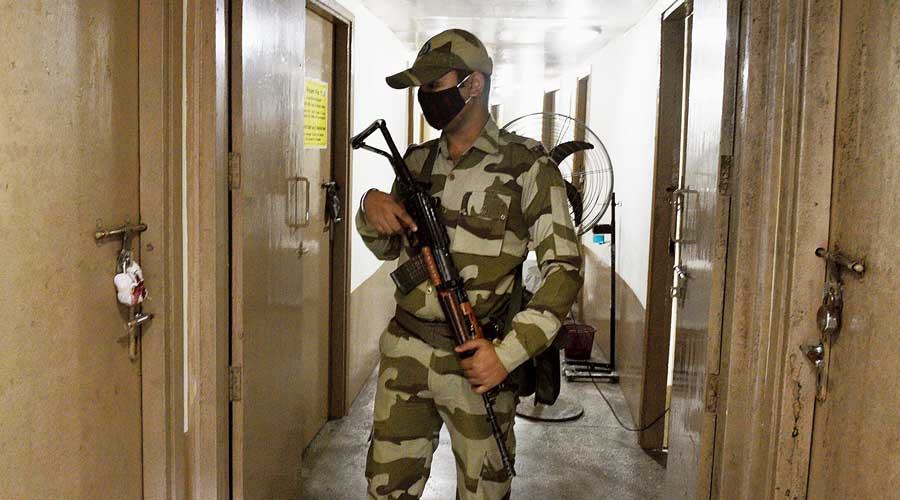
pixel 622 105
pixel 376 53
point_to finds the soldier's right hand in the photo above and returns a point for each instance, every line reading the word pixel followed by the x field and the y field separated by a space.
pixel 385 215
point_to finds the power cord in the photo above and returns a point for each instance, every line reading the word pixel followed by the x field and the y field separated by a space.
pixel 640 429
pixel 621 424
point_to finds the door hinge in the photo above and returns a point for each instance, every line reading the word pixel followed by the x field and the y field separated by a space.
pixel 726 162
pixel 712 393
pixel 234 170
pixel 234 383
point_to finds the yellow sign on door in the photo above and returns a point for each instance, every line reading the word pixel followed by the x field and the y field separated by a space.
pixel 315 114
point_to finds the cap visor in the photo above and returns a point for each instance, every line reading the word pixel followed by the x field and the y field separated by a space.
pixel 416 76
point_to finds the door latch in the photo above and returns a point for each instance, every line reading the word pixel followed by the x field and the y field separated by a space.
pixel 134 329
pixel 333 205
pixel 828 317
pixel 129 281
pixel 816 355
pixel 679 289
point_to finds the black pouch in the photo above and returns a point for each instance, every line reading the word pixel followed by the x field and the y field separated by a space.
pixel 540 375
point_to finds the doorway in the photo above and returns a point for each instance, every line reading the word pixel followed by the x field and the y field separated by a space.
pixel 666 232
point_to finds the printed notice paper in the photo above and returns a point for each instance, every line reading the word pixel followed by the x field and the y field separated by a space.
pixel 315 114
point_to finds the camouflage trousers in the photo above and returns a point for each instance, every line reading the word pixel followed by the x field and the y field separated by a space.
pixel 420 389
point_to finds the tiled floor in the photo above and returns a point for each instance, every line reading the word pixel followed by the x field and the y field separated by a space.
pixel 588 459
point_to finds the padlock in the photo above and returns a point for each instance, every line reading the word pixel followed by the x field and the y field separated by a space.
pixel 130 288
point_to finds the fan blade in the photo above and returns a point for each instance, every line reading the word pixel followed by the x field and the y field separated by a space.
pixel 575 200
pixel 560 152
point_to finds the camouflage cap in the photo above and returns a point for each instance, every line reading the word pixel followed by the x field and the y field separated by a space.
pixel 451 49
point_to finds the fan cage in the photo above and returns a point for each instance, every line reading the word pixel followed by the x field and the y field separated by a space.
pixel 589 171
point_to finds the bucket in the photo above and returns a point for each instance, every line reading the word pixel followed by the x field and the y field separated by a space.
pixel 579 341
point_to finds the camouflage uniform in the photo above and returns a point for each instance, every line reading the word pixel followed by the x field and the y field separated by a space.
pixel 500 199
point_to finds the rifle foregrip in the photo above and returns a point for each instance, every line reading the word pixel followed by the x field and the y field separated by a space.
pixel 470 314
pixel 431 265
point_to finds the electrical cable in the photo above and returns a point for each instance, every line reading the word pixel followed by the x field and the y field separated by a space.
pixel 621 424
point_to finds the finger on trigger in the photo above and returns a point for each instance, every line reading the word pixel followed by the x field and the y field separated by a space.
pixel 407 220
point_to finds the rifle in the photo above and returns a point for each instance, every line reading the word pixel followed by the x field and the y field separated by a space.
pixel 432 260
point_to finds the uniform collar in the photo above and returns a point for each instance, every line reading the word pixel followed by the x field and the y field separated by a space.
pixel 488 141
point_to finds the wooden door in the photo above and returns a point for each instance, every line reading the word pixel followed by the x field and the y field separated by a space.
pixel 268 201
pixel 315 264
pixel 703 231
pixel 668 183
pixel 70 397
pixel 856 441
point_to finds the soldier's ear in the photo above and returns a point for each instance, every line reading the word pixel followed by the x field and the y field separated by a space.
pixel 476 84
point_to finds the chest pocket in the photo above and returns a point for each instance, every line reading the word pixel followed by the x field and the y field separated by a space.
pixel 481 224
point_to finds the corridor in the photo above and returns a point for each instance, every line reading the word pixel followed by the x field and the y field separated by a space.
pixel 558 461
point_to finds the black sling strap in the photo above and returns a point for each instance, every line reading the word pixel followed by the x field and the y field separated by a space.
pixel 428 167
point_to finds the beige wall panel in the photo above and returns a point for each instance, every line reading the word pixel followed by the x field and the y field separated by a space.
pixel 371 308
pixel 69 397
pixel 630 321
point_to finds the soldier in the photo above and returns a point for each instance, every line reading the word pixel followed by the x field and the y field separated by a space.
pixel 500 196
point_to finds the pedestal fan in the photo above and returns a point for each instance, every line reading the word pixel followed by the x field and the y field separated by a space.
pixel 587 170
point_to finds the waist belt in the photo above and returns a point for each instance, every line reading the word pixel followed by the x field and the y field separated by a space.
pixel 434 333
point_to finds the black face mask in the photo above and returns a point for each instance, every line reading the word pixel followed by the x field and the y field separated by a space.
pixel 441 107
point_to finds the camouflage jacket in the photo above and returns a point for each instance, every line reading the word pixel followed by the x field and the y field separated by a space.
pixel 501 199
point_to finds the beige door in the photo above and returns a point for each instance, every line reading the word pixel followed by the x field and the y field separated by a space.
pixel 70 397
pixel 703 231
pixel 856 440
pixel 280 245
pixel 315 271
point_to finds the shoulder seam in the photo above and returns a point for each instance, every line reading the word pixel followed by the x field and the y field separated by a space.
pixel 426 144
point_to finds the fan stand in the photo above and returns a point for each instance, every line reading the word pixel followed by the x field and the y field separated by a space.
pixel 563 410
pixel 578 370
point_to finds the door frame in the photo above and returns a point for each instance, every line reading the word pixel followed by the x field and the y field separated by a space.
pixel 205 448
pixel 342 112
pixel 206 322
pixel 160 42
pixel 784 152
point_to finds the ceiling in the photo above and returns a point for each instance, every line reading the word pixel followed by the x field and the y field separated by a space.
pixel 528 39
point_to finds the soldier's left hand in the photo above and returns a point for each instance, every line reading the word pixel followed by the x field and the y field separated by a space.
pixel 483 368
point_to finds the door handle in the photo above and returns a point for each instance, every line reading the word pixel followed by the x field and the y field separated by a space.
pixel 333 203
pixel 679 202
pixel 293 217
pixel 302 250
